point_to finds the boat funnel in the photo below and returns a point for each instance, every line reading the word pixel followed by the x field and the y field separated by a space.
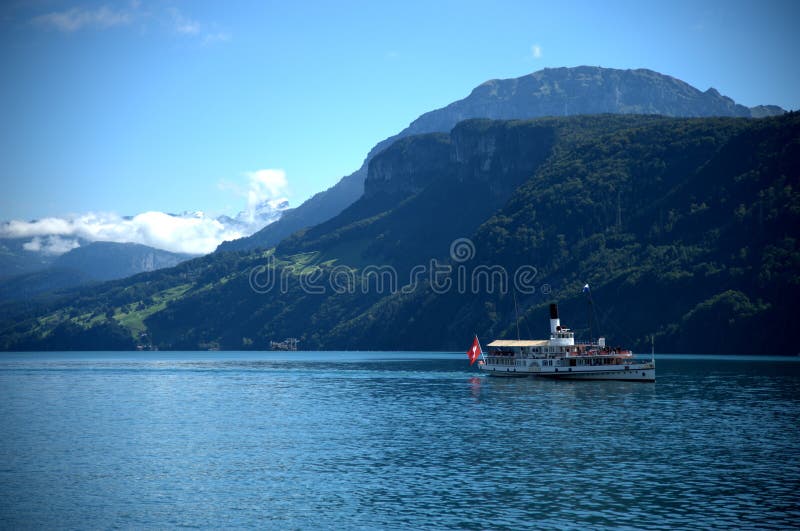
pixel 555 322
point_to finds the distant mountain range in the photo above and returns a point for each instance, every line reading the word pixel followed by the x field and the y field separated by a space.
pixel 101 261
pixel 90 263
pixel 31 265
pixel 548 92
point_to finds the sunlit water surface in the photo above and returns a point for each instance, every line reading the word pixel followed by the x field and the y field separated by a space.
pixel 386 440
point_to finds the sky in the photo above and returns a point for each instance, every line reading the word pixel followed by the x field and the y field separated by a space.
pixel 125 107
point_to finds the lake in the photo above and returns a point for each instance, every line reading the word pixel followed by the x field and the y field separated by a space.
pixel 392 440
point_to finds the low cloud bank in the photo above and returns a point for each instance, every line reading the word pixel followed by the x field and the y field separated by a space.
pixel 191 232
pixel 52 245
pixel 180 234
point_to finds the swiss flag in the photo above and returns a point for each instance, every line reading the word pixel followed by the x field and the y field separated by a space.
pixel 474 351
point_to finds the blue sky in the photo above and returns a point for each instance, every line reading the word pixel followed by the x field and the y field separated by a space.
pixel 128 107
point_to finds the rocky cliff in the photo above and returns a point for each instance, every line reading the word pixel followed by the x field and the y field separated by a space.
pixel 548 92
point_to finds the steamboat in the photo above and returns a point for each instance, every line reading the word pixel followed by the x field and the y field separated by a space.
pixel 562 357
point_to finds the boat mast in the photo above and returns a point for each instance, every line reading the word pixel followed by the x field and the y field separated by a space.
pixel 653 348
pixel 516 312
pixel 588 293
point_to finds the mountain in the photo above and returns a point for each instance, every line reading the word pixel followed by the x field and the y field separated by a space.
pixel 686 229
pixel 34 261
pixel 764 111
pixel 253 219
pixel 102 261
pixel 92 262
pixel 15 259
pixel 548 92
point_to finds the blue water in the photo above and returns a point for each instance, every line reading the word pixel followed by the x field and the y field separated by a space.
pixel 392 440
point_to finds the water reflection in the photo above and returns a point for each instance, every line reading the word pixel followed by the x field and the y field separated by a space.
pixel 475 383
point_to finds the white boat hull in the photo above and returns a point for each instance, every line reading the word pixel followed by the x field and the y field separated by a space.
pixel 634 372
pixel 637 375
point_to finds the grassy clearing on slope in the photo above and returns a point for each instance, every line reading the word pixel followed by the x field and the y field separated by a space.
pixel 134 319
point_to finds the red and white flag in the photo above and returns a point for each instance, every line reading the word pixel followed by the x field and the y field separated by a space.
pixel 475 351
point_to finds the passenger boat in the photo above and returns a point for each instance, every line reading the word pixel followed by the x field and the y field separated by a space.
pixel 563 358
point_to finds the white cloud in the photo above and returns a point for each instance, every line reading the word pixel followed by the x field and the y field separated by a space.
pixel 536 51
pixel 182 234
pixel 51 245
pixel 80 17
pixel 191 232
pixel 265 185
pixel 103 17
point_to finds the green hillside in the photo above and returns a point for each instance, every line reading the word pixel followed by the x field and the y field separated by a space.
pixel 684 228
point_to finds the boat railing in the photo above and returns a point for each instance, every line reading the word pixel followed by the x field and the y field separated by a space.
pixel 604 353
pixel 587 342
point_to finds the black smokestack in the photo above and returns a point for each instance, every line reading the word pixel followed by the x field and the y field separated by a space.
pixel 554 311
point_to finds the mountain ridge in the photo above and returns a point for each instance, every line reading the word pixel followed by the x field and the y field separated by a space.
pixel 535 95
pixel 91 262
